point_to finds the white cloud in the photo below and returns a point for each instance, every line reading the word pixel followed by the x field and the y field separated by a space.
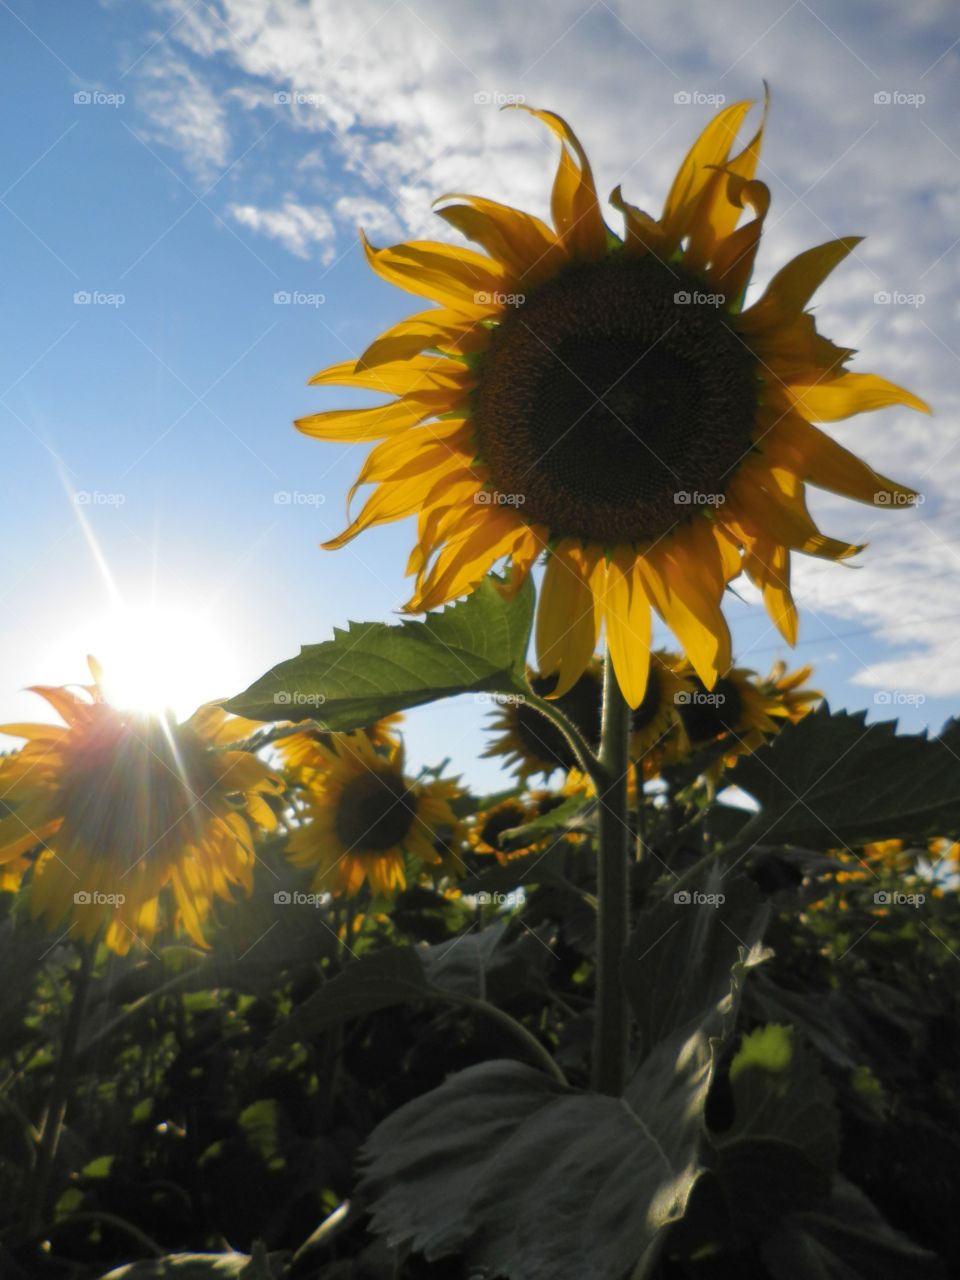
pixel 299 229
pixel 185 112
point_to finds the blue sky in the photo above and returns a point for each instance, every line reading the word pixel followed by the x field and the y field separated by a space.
pixel 221 153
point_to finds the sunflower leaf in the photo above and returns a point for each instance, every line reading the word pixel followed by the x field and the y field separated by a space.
pixel 832 779
pixel 527 1178
pixel 372 669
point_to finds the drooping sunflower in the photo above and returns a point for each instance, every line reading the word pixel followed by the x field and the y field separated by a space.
pixel 790 698
pixel 364 817
pixel 122 810
pixel 735 712
pixel 606 400
pixel 534 744
pixel 301 752
pixel 657 718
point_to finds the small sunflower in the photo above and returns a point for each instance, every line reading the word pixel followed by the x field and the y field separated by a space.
pixel 301 752
pixel 657 719
pixel 607 402
pixel 488 825
pixel 527 739
pixel 364 817
pixel 120 808
pixel 790 699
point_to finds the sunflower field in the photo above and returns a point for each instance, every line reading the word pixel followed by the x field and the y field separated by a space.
pixel 677 1001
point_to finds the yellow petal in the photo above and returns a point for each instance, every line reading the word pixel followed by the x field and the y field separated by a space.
pixel 353 425
pixel 850 393
pixel 788 293
pixel 712 148
pixel 397 377
pixel 441 328
pixel 526 247
pixel 567 622
pixel 814 456
pixel 457 277
pixel 626 617
pixel 688 609
pixel 573 204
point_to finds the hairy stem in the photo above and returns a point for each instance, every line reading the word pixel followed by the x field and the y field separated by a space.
pixel 611 1029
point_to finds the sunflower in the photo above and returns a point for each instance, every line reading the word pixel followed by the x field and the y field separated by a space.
pixel 121 808
pixel 364 817
pixel 736 712
pixel 488 825
pixel 527 739
pixel 605 400
pixel 791 700
pixel 657 718
pixel 301 753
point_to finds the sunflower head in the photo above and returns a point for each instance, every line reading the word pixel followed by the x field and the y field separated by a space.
pixel 534 744
pixel 607 402
pixel 123 813
pixel 365 818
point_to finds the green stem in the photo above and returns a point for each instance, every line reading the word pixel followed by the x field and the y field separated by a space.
pixel 535 1049
pixel 611 1029
pixel 60 1093
pixel 584 753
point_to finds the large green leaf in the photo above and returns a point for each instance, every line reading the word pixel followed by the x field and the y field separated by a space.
pixel 461 969
pixel 846 1239
pixel 832 780
pixel 527 1178
pixel 371 669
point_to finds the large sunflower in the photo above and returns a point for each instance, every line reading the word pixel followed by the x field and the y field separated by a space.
pixel 606 401
pixel 364 817
pixel 120 808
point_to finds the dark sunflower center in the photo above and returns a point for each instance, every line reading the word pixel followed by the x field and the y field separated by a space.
pixel 709 714
pixel 649 707
pixel 375 813
pixel 541 737
pixel 615 401
pixel 502 819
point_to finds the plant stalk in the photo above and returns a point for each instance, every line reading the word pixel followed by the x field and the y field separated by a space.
pixel 611 1029
pixel 61 1092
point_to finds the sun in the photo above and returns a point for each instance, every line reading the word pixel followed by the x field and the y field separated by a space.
pixel 159 655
